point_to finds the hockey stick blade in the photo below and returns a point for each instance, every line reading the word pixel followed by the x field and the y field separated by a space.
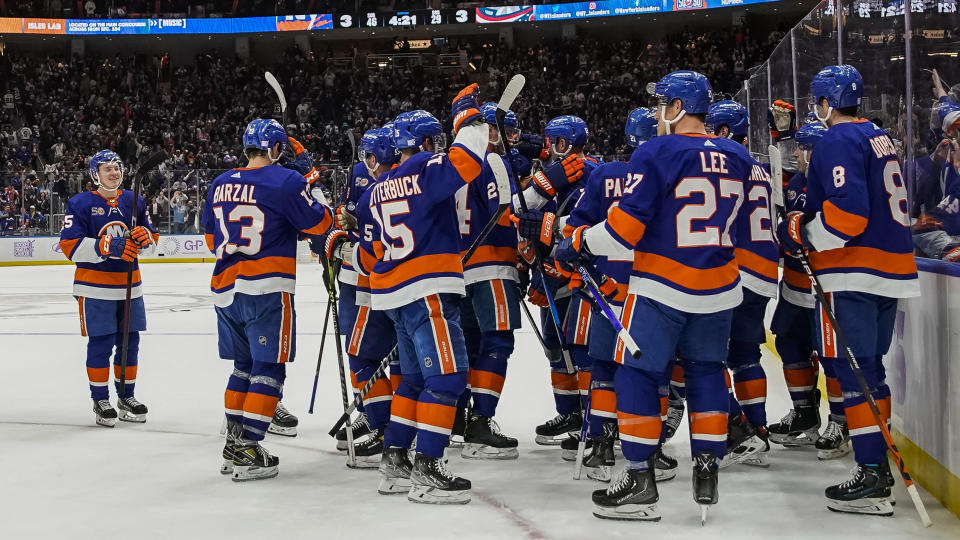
pixel 776 175
pixel 152 162
pixel 275 84
pixel 510 93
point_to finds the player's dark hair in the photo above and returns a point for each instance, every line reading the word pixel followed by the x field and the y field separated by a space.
pixel 255 153
pixel 738 138
pixel 848 111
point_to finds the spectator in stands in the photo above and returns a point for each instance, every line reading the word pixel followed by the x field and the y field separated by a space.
pixel 179 214
pixel 8 220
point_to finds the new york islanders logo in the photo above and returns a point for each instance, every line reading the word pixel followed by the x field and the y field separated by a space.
pixel 114 228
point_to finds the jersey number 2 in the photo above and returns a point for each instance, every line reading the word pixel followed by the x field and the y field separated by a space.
pixel 709 236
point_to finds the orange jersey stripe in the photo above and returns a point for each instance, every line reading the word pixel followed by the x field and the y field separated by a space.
pixel 796 280
pixel 759 265
pixel 380 388
pixel 260 404
pixel 845 222
pixel 253 268
pixel 67 246
pixel 83 318
pixel 356 335
pixel 412 269
pixel 864 257
pixel 644 427
pixel 627 317
pixel 563 381
pixel 98 375
pixel 208 238
pixel 487 380
pixel 751 389
pixel 233 400
pixel 322 227
pixel 403 407
pixel 435 414
pixel 583 323
pixel 626 226
pixel 487 254
pixel 104 278
pixel 500 305
pixel 699 279
pixel 603 400
pixel 131 373
pixel 860 416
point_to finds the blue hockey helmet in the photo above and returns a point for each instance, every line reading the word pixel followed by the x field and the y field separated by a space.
pixel 841 86
pixel 808 135
pixel 379 142
pixel 568 127
pixel 641 126
pixel 262 134
pixel 731 114
pixel 690 87
pixel 489 111
pixel 948 114
pixel 101 157
pixel 412 127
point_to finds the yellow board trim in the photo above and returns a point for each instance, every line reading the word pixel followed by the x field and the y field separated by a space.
pixel 145 261
pixel 924 468
pixel 929 473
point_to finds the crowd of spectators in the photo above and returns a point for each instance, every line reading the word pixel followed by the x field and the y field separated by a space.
pixel 58 111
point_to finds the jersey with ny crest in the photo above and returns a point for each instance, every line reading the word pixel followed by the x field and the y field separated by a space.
pixel 87 217
pixel 477 202
pixel 677 214
pixel 862 228
pixel 360 182
pixel 412 248
pixel 603 190
pixel 758 254
pixel 252 219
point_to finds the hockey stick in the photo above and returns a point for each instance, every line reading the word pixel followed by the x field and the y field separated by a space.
pixel 152 162
pixel 358 399
pixel 586 272
pixel 316 375
pixel 330 279
pixel 275 84
pixel 777 188
pixel 503 188
pixel 536 329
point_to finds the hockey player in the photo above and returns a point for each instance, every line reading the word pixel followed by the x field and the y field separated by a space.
pixel 676 217
pixel 369 334
pixel 856 225
pixel 758 257
pixel 412 256
pixel 96 236
pixel 253 216
pixel 492 303
pixel 792 324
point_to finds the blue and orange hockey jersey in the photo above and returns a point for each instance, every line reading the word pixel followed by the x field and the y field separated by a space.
pixel 413 247
pixel 758 254
pixel 676 214
pixel 360 182
pixel 861 230
pixel 795 285
pixel 87 217
pixel 477 202
pixel 605 187
pixel 252 218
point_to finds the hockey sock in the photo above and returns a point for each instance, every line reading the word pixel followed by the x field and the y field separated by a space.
pixel 377 401
pixel 356 364
pixel 798 369
pixel 98 365
pixel 638 412
pixel 565 387
pixel 733 408
pixel 583 362
pixel 678 386
pixel 488 370
pixel 663 393
pixel 865 435
pixel 236 392
pixel 707 404
pixel 260 404
pixel 436 410
pixel 396 376
pixel 133 348
pixel 834 392
pixel 603 397
pixel 749 380
pixel 402 427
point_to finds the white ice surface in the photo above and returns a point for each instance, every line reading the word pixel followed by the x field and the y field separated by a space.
pixel 64 477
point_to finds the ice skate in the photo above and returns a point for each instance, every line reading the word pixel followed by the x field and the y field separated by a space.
pixel 483 440
pixel 800 427
pixel 459 429
pixel 599 463
pixel 705 482
pixel 283 422
pixel 745 444
pixel 368 452
pixel 395 467
pixel 675 408
pixel 665 467
pixel 569 446
pixel 868 492
pixel 232 431
pixel 633 497
pixel 554 431
pixel 106 414
pixel 432 483
pixel 253 462
pixel 361 428
pixel 834 442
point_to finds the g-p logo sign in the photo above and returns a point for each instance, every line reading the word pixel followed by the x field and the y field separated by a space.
pixel 193 245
